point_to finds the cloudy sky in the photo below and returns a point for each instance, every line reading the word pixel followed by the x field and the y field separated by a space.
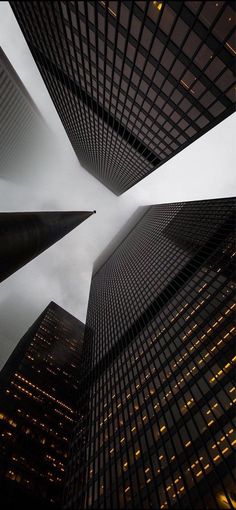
pixel 54 180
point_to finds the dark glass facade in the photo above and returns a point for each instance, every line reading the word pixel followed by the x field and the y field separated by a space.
pixel 133 82
pixel 24 235
pixel 20 121
pixel 39 386
pixel 156 411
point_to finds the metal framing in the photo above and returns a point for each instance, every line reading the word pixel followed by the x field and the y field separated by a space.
pixel 38 410
pixel 161 389
pixel 133 83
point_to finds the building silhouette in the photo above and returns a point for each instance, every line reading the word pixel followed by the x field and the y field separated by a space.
pixel 21 124
pixel 155 422
pixel 134 83
pixel 39 385
pixel 24 235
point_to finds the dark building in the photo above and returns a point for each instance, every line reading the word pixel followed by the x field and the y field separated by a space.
pixel 23 236
pixel 156 419
pixel 134 83
pixel 21 123
pixel 39 385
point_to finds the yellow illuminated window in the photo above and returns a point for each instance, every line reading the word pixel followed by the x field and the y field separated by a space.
pixel 199 473
pixel 225 450
pixel 225 500
pixel 210 423
pixel 158 5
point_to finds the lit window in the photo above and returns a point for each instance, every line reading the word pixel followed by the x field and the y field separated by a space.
pixel 158 5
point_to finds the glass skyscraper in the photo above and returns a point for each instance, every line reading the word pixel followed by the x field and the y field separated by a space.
pixel 24 235
pixel 39 385
pixel 156 413
pixel 21 124
pixel 134 82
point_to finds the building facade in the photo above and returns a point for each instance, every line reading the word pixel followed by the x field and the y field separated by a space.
pixel 133 82
pixel 24 235
pixel 156 412
pixel 39 385
pixel 21 124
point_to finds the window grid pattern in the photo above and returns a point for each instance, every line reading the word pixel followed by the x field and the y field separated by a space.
pixel 160 432
pixel 133 83
pixel 39 386
pixel 20 121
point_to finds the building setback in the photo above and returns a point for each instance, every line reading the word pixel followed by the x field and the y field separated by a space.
pixel 24 235
pixel 21 124
pixel 134 83
pixel 155 424
pixel 39 385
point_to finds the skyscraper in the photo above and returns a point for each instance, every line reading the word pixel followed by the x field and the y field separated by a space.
pixel 24 235
pixel 39 385
pixel 156 406
pixel 133 82
pixel 21 124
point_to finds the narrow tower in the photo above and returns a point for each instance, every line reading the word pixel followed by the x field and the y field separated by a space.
pixel 23 236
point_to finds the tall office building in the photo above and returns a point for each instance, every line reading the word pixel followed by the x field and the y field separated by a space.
pixel 21 124
pixel 133 82
pixel 156 418
pixel 39 385
pixel 24 235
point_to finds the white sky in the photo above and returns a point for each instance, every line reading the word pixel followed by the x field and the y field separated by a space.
pixel 56 181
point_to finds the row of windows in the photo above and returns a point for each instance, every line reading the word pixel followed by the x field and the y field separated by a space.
pixel 213 453
pixel 176 342
pixel 161 412
pixel 162 280
pixel 155 264
pixel 212 65
pixel 165 140
pixel 168 151
pixel 147 387
pixel 39 434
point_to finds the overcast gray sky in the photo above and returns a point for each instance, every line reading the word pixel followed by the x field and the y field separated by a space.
pixel 54 180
